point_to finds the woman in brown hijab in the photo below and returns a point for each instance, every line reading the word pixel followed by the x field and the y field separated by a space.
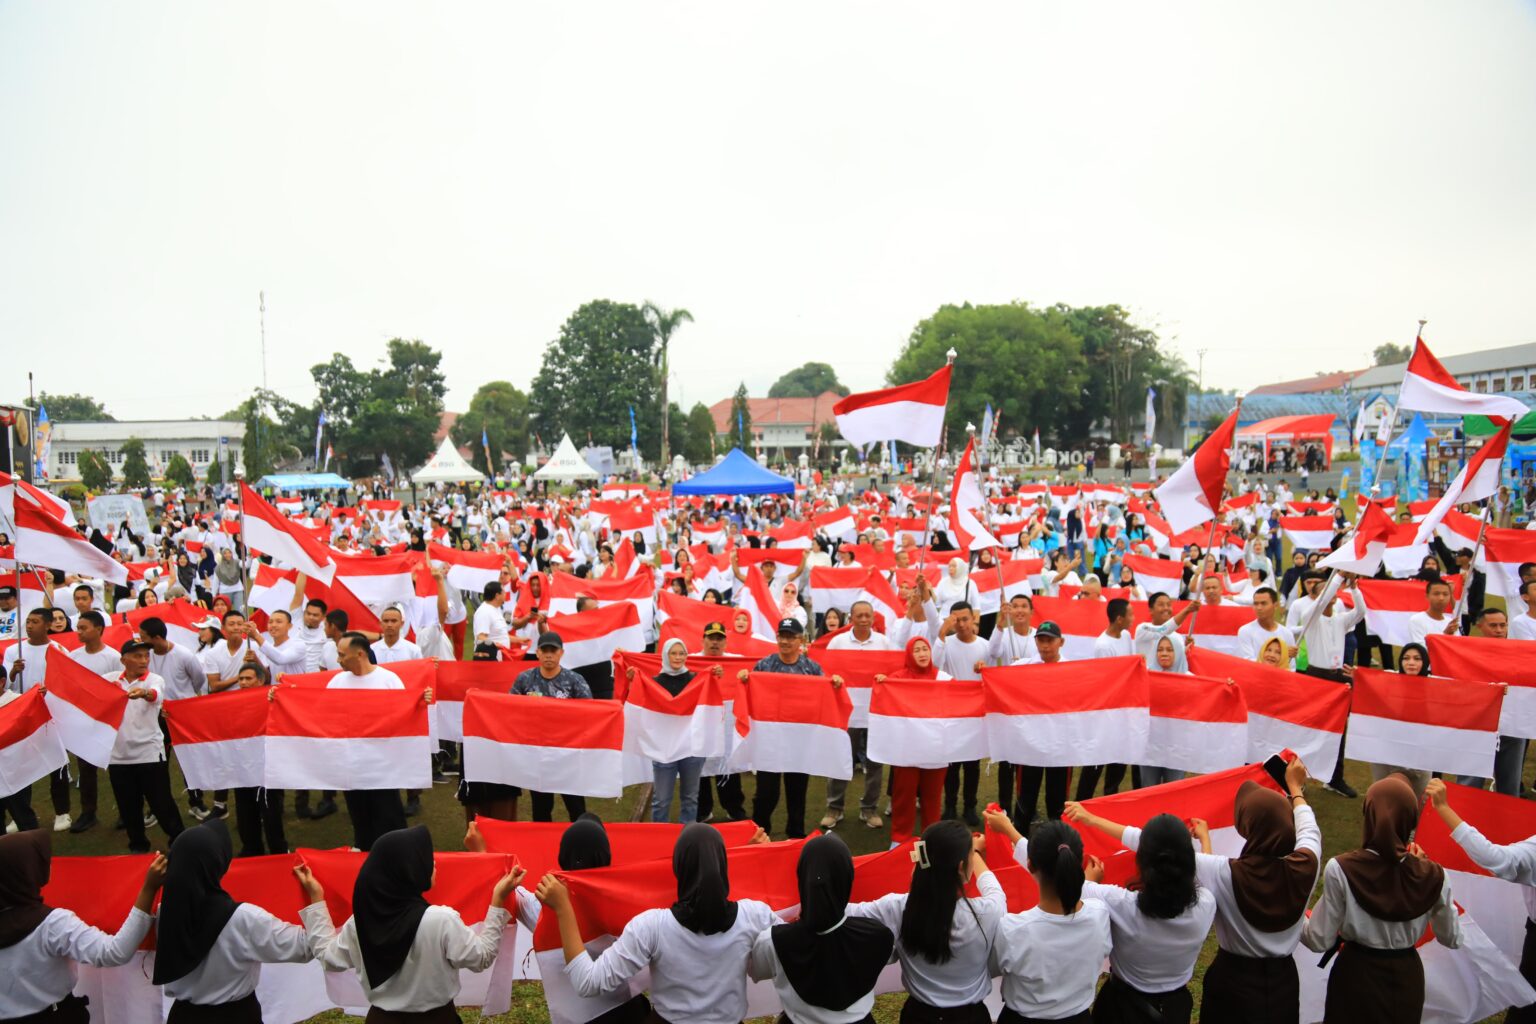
pixel 1376 901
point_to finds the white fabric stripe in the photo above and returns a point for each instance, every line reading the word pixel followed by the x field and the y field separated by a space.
pixel 840 598
pixel 1391 626
pixel 581 653
pixel 916 423
pixel 223 764
pixel 667 738
pixel 473 580
pixel 1421 394
pixel 39 753
pixel 1517 714
pixel 576 771
pixel 1192 746
pixel 1112 735
pixel 1436 748
pixel 795 747
pixel 386 762
pixel 450 720
pixel 1268 736
pixel 926 742
pixel 83 735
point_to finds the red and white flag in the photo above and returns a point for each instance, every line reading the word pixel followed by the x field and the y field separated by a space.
pixel 1362 551
pixel 639 591
pixel 1081 623
pixel 794 534
pixel 757 600
pixel 883 597
pixel 1156 575
pixel 180 617
pixel 788 723
pixel 468 570
pixel 544 744
pixel 1286 710
pixel 835 587
pixel 1485 660
pixel 1478 479
pixel 1215 627
pixel 1057 716
pixel 30 745
pixel 1193 493
pixel 967 506
pixel 41 539
pixel 1389 604
pixel 1404 554
pixel 265 529
pixel 1441 725
pixel 348 739
pixel 924 723
pixel 220 740
pixel 837 524
pixel 87 708
pixel 1198 724
pixel 1504 551
pixel 913 413
pixel 1429 387
pixel 272 588
pixel 379 579
pixel 995 587
pixel 664 728
pixel 859 669
pixel 591 637
pixel 1310 533
pixel 1458 530
pixel 453 682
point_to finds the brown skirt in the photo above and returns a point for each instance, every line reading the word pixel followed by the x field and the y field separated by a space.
pixel 1119 1003
pixel 72 1009
pixel 1383 986
pixel 445 1014
pixel 1250 990
pixel 241 1011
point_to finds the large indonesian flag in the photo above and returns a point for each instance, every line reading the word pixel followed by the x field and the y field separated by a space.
pixel 1428 387
pixel 664 728
pixel 1389 604
pixel 30 746
pixel 87 709
pixel 1198 724
pixel 455 680
pixel 1504 551
pixel 1478 479
pixel 791 723
pixel 348 739
pixel 1485 660
pixel 1286 710
pixel 1310 533
pixel 468 570
pixel 913 413
pixel 1365 547
pixel 966 506
pixel 1080 712
pixel 639 591
pixel 1441 725
pixel 544 744
pixel 265 529
pixel 996 587
pixel 42 539
pixel 858 670
pixel 833 587
pixel 379 579
pixel 220 739
pixel 1156 575
pixel 925 723
pixel 1192 495
pixel 1215 626
pixel 591 637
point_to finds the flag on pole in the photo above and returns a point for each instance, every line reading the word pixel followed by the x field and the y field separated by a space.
pixel 966 504
pixel 43 540
pixel 913 413
pixel 1429 387
pixel 987 426
pixel 1360 424
pixel 1362 551
pixel 1191 496
pixel 1150 430
pixel 268 531
pixel 634 434
pixel 1037 444
pixel 319 430
pixel 1478 479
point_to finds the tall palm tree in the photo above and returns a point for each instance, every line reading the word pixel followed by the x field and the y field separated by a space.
pixel 663 322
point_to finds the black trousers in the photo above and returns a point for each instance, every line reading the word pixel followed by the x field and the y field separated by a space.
pixel 732 799
pixel 58 788
pixel 301 800
pixel 1088 779
pixel 1007 779
pixel 1119 1003
pixel 1333 676
pixel 19 806
pixel 259 820
pixel 544 805
pixel 953 787
pixel 766 800
pixel 1525 1014
pixel 134 785
pixel 373 812
pixel 1030 777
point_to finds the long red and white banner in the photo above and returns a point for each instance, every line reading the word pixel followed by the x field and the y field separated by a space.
pixel 667 728
pixel 791 723
pixel 220 739
pixel 544 744
pixel 1068 714
pixel 1198 723
pixel 1441 725
pixel 923 723
pixel 347 739
pixel 1286 710
pixel 1486 660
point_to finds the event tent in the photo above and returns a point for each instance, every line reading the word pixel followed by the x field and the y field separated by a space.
pixel 304 482
pixel 447 466
pixel 566 464
pixel 1295 429
pixel 737 473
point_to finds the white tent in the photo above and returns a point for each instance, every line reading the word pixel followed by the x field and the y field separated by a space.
pixel 447 466
pixel 566 464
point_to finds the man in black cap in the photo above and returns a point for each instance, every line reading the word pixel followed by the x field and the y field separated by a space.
pixel 1048 640
pixel 550 680
pixel 715 638
pixel 727 786
pixel 789 659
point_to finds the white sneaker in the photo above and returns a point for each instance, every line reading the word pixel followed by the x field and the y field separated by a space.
pixel 10 828
pixel 61 822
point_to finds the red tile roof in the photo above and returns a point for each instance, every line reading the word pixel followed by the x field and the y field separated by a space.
pixel 1308 385
pixel 812 412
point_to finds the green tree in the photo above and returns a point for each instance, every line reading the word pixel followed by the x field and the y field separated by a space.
pixel 95 471
pixel 807 381
pixel 739 427
pixel 501 411
pixel 276 431
pixel 179 472
pixel 395 408
pixel 826 450
pixel 135 468
pixel 1026 362
pixel 1390 352
pixel 677 425
pixel 1122 361
pixel 663 323
pixel 700 447
pixel 602 363
pixel 72 408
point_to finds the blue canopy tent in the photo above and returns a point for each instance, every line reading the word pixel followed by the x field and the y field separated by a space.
pixel 737 473
pixel 304 482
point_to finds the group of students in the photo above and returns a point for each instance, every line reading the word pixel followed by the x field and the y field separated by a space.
pixel 950 932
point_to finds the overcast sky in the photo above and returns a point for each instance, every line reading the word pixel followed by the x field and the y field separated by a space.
pixel 1284 187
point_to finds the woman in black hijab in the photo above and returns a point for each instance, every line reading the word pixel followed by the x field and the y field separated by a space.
pixel 208 948
pixel 40 945
pixel 407 952
pixel 825 961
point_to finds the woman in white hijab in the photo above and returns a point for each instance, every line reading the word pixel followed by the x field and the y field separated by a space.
pixel 954 585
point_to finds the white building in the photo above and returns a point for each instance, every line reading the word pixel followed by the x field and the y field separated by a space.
pixel 1490 371
pixel 198 441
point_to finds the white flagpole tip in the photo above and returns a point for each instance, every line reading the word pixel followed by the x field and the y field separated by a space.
pixel 970 428
pixel 949 357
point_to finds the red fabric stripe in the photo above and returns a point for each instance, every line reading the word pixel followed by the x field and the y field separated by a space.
pixel 457 678
pixel 1426 700
pixel 812 700
pixel 928 698
pixel 231 715
pixel 1502 819
pixel 859 668
pixel 22 717
pixel 70 681
pixel 1163 568
pixel 564 585
pixel 346 714
pixel 1276 693
pixel 1483 659
pixel 933 390
pixel 544 721
pixel 1424 364
pixel 596 623
pixel 702 690
pixel 1097 685
pixel 1196 698
pixel 470 559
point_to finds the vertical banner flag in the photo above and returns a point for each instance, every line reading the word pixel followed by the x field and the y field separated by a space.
pixel 987 427
pixel 634 435
pixel 1150 430
pixel 319 430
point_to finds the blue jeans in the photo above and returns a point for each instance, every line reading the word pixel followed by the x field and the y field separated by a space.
pixel 1152 775
pixel 1508 768
pixel 683 774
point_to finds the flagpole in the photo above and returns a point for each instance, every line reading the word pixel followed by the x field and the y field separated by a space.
pixel 1466 584
pixel 1381 456
pixel 986 513
pixel 1210 540
pixel 933 478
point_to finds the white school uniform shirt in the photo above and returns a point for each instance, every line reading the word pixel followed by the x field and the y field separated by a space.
pixel 36 667
pixel 1420 625
pixel 1050 963
pixel 1106 646
pixel 1522 627
pixel 139 740
pixel 1337 916
pixel 1325 637
pixel 182 671
pixel 966 978
pixel 40 970
pixel 403 650
pixel 232 968
pixel 763 965
pixel 1008 647
pixel 1513 863
pixel 103 662
pixel 698 978
pixel 1251 638
pixel 429 977
pixel 1153 955
pixel 1233 932
pixel 378 679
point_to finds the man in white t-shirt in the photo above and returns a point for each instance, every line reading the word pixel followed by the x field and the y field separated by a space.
pixel 1523 625
pixel 222 661
pixel 95 655
pixel 310 629
pixel 1049 640
pixel 138 770
pixel 1438 617
pixel 391 646
pixel 1116 640
pixel 963 654
pixel 26 662
pixel 490 624
pixel 281 652
pixel 1252 636
pixel 861 637
pixel 9 615
pixel 1013 640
